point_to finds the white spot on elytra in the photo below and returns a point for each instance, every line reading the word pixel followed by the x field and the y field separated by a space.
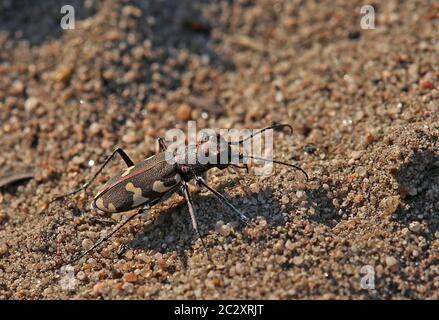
pixel 138 199
pixel 100 204
pixel 111 207
pixel 160 187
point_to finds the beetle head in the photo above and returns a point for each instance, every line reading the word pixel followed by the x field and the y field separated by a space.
pixel 215 151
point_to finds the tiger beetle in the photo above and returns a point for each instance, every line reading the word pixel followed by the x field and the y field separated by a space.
pixel 154 179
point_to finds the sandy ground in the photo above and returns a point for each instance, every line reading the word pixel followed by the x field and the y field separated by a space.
pixel 364 105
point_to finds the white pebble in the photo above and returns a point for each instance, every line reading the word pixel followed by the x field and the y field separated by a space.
pixel 86 244
pixel 225 230
pixel 415 227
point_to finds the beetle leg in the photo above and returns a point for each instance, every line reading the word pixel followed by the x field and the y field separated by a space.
pixel 160 145
pixel 187 195
pixel 117 228
pixel 204 176
pixel 119 151
pixel 241 216
pixel 198 187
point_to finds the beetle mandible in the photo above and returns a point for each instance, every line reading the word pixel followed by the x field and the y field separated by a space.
pixel 154 179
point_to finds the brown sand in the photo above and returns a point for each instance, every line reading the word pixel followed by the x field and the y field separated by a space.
pixel 364 105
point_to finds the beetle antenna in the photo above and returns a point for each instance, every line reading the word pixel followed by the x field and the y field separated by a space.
pixel 276 126
pixel 278 162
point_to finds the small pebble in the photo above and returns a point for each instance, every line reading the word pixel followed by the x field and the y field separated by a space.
pixel 129 254
pixel 218 225
pixel 113 35
pixel 263 223
pixel 184 112
pixel 130 137
pixel 133 11
pixel 153 107
pixel 240 268
pixel 3 216
pixel 30 104
pixel 101 288
pixel 86 244
pixel 17 88
pixel 225 230
pixel 279 246
pixel 289 245
pixel 390 204
pixel 391 263
pixel 130 277
pixel 94 128
pixel 412 191
pixel 358 198
pixel 63 73
pixel 415 227
pixel 355 155
pixel 81 275
pixel 3 249
pixel 297 261
pixel 143 257
pixel 128 287
pixel 426 84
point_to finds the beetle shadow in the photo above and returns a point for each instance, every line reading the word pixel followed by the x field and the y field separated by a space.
pixel 324 211
pixel 14 180
pixel 171 231
pixel 418 187
pixel 15 187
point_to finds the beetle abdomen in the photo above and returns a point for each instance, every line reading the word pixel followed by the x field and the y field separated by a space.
pixel 138 185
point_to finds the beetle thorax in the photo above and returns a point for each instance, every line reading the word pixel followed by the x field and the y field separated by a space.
pixel 200 157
